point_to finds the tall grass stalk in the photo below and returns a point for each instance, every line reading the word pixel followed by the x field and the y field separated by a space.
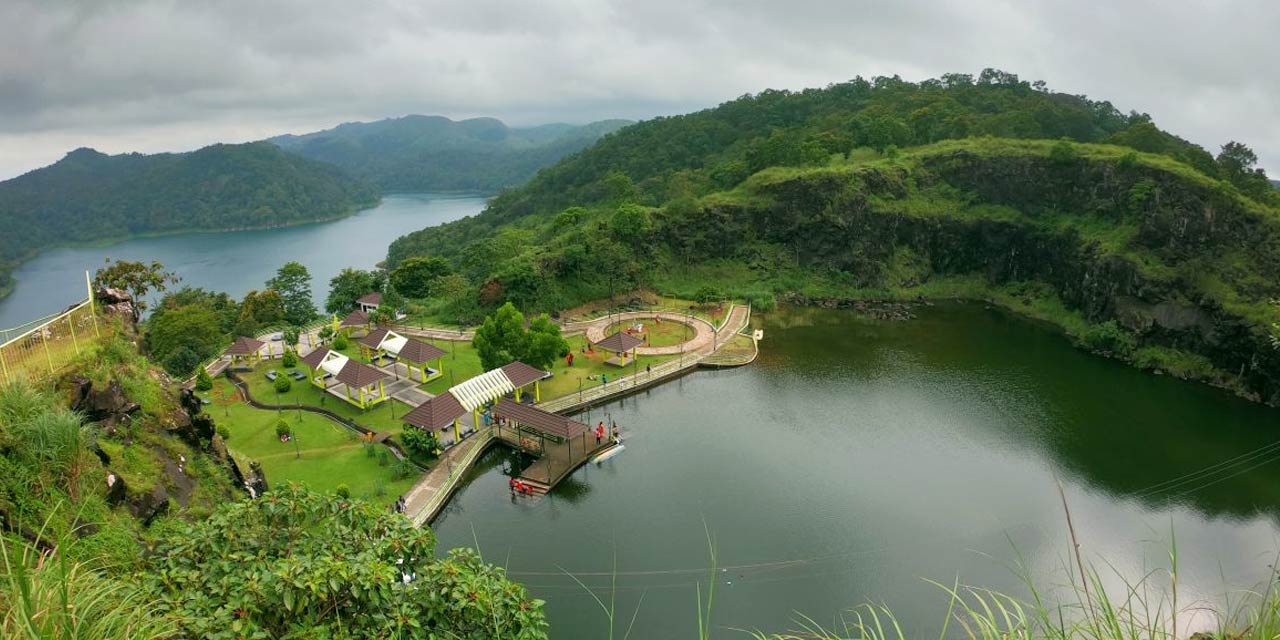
pixel 48 597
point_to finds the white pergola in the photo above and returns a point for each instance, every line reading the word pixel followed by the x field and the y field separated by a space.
pixel 391 343
pixel 483 389
pixel 332 364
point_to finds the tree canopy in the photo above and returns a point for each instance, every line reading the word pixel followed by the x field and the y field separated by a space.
pixel 503 338
pixel 347 287
pixel 414 277
pixel 300 564
pixel 137 278
pixel 293 282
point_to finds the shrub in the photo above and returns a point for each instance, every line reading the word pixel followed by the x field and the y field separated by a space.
pixel 341 342
pixel 762 301
pixel 224 432
pixel 402 469
pixel 342 490
pixel 419 442
pixel 1109 338
pixel 325 332
pixel 283 428
pixel 290 359
pixel 204 381
pixel 182 361
pixel 282 384
pixel 304 581
pixel 707 293
pixel 384 458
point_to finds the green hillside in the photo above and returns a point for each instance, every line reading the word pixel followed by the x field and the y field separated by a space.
pixel 1139 244
pixel 434 153
pixel 91 197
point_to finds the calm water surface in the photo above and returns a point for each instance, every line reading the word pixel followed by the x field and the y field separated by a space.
pixel 856 458
pixel 237 261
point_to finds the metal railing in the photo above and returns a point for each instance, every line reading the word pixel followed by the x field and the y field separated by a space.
pixel 40 349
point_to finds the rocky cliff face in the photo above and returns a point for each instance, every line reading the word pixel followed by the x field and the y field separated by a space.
pixel 1174 261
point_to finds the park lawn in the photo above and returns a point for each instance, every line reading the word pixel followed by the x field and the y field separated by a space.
pixel 460 364
pixel 660 334
pixel 324 454
pixel 379 417
pixel 564 379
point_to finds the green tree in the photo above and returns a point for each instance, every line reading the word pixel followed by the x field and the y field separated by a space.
pixel 501 338
pixel 204 381
pixel 282 384
pixel 413 278
pixel 544 344
pixel 259 309
pixel 137 278
pixel 290 359
pixel 301 585
pixel 191 328
pixel 293 283
pixel 346 287
pixel 1236 164
pixel 419 442
pixel 630 224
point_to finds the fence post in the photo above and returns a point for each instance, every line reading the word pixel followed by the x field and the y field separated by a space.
pixel 71 324
pixel 93 311
pixel 45 341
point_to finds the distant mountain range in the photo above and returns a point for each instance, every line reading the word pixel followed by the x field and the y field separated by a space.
pixel 434 153
pixel 89 196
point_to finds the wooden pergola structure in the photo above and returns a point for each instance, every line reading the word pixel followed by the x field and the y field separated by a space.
pixel 364 384
pixel 529 422
pixel 620 343
pixel 244 350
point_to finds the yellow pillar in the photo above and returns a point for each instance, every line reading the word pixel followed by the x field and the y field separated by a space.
pixel 71 324
pixel 45 341
pixel 361 397
pixel 537 391
pixel 382 392
pixel 457 432
pixel 518 394
pixel 93 312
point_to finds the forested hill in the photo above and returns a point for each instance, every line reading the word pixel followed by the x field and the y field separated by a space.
pixel 1136 242
pixel 89 196
pixel 434 153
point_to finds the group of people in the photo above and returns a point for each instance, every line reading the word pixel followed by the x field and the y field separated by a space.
pixel 600 433
pixel 399 505
pixel 519 486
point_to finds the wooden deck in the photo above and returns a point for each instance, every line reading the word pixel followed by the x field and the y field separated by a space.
pixel 558 460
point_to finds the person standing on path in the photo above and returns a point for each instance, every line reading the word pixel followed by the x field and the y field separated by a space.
pixel 599 432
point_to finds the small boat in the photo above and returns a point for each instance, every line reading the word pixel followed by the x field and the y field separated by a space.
pixel 608 453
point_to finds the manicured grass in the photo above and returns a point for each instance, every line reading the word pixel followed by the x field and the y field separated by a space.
pixel 379 417
pixel 323 455
pixel 460 363
pixel 564 379
pixel 660 334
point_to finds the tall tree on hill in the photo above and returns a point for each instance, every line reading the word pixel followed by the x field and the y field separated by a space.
pixel 293 283
pixel 413 278
pixel 346 287
pixel 137 278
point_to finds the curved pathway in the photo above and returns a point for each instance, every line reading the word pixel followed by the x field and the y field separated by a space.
pixel 703 331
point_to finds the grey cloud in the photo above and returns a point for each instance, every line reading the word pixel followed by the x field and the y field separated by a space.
pixel 156 75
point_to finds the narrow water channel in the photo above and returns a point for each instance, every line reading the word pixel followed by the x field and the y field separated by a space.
pixel 856 458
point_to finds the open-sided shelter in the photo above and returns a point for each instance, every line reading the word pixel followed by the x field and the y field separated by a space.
pixel 620 343
pixel 244 350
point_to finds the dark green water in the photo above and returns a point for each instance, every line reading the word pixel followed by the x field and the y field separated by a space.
pixel 856 458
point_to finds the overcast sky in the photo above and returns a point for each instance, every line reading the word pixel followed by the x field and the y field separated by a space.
pixel 168 76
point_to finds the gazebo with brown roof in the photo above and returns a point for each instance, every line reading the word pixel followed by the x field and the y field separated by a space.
pixel 415 354
pixel 437 414
pixel 620 343
pixel 547 425
pixel 369 301
pixel 362 378
pixel 244 349
pixel 521 375
pixel 356 320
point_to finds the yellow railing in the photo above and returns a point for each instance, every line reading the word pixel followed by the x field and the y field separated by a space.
pixel 40 349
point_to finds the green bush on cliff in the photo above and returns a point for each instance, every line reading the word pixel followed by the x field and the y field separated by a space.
pixel 1109 338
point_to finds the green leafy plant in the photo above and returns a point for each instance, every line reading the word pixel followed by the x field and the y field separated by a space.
pixel 283 428
pixel 282 384
pixel 302 583
pixel 204 381
pixel 290 359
